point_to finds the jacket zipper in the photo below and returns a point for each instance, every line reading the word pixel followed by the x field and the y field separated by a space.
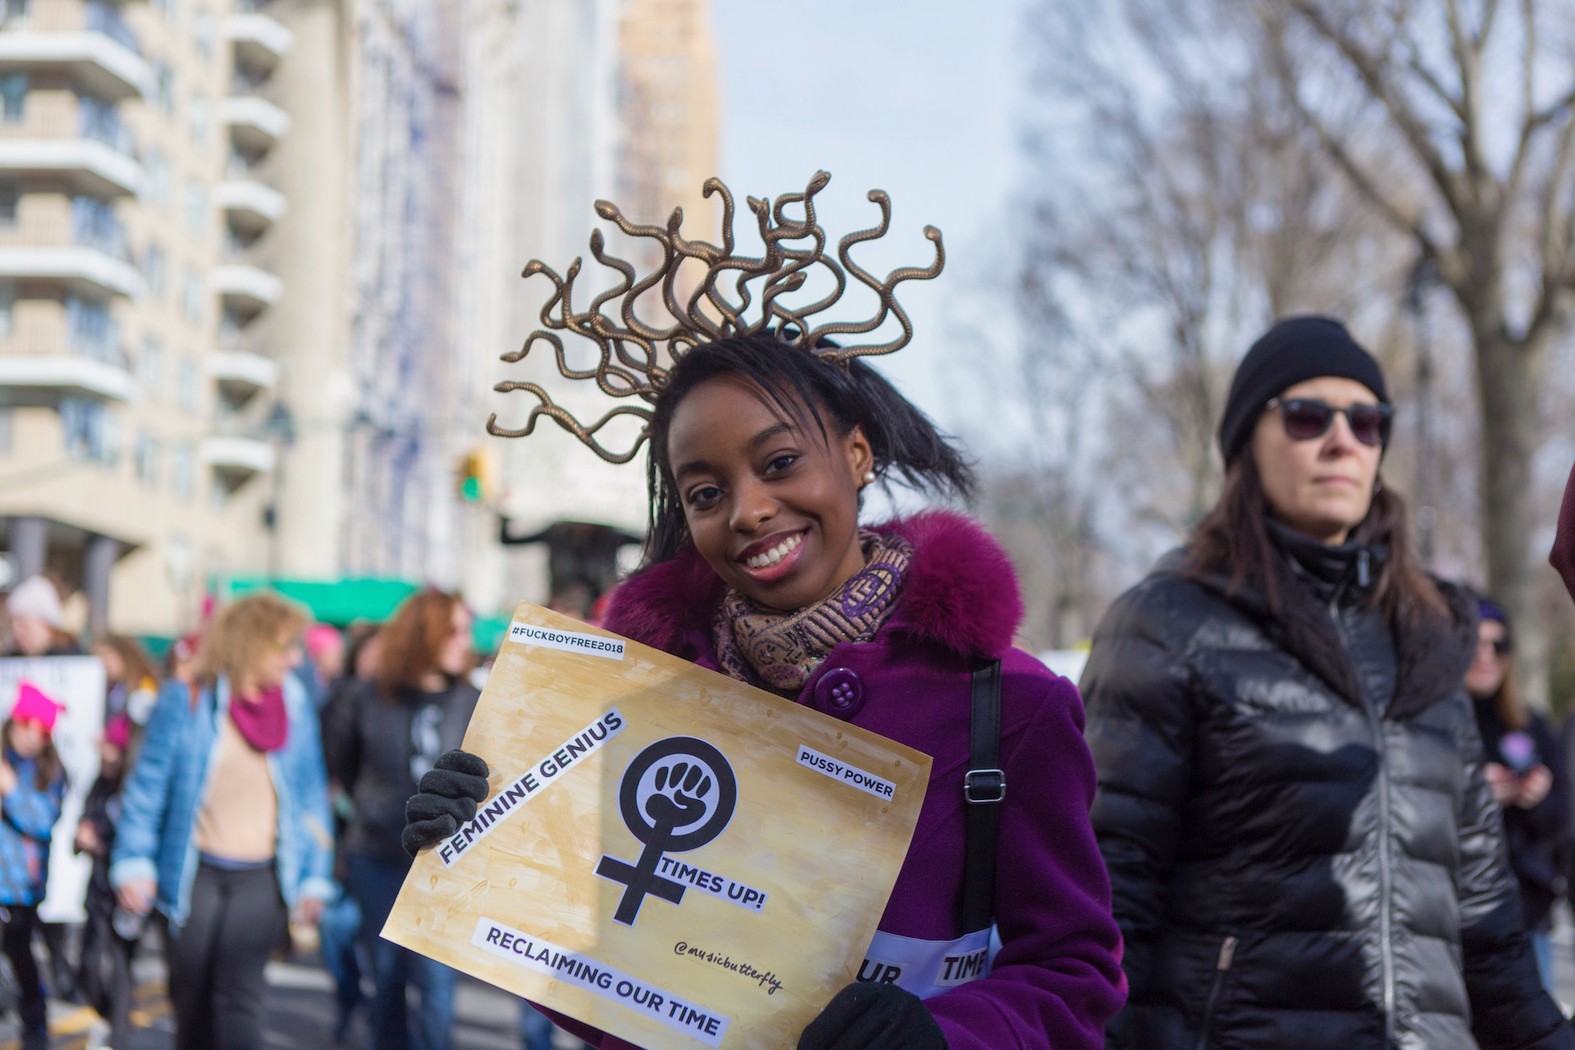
pixel 1221 968
pixel 1385 875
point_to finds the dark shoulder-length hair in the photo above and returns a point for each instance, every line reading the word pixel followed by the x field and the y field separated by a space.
pixel 816 394
pixel 46 766
pixel 1233 539
pixel 412 641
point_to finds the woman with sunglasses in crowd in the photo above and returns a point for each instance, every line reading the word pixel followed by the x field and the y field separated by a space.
pixel 1526 773
pixel 1302 839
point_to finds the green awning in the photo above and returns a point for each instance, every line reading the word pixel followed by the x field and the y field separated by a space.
pixel 339 602
pixel 488 632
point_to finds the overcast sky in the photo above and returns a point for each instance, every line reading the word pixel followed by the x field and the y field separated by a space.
pixel 916 97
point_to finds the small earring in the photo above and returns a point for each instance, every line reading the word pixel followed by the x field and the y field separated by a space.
pixel 869 477
pixel 1378 486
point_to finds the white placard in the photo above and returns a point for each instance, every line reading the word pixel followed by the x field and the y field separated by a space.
pixel 77 682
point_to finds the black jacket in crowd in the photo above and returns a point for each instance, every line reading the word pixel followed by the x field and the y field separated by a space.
pixel 1302 847
pixel 1535 837
pixel 377 747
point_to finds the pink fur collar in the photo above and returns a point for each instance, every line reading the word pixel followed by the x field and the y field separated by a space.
pixel 959 592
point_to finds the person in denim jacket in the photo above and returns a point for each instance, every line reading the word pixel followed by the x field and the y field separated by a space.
pixel 225 828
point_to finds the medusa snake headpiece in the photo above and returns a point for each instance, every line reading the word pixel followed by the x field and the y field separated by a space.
pixel 633 355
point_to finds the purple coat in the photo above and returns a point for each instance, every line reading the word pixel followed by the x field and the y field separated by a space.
pixel 1057 977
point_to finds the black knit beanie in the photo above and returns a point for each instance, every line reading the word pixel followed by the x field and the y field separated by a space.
pixel 1294 350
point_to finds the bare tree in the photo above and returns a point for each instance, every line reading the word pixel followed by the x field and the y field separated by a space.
pixel 1198 208
pixel 1472 105
pixel 1248 158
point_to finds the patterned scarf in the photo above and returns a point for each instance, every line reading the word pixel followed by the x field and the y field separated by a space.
pixel 782 650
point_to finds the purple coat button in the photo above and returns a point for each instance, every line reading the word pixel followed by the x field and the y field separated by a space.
pixel 840 692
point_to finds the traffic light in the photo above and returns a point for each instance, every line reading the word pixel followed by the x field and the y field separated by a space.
pixel 475 476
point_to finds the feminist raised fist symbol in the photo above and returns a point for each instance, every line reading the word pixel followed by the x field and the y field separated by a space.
pixel 677 795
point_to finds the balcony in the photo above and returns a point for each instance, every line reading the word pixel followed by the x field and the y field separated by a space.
pixel 90 44
pixel 240 375
pixel 81 269
pixel 236 458
pixel 85 165
pixel 260 41
pixel 35 372
pixel 250 206
pixel 244 287
pixel 255 123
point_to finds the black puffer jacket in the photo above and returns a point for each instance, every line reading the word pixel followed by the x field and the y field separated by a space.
pixel 1302 847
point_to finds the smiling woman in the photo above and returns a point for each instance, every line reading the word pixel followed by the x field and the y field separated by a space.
pixel 764 435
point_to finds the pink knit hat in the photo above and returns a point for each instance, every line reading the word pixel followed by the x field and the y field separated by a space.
pixel 33 705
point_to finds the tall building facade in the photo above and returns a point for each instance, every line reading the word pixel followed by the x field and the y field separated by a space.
pixel 259 260
pixel 135 212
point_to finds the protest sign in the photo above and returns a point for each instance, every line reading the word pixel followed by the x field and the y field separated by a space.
pixel 667 854
pixel 78 683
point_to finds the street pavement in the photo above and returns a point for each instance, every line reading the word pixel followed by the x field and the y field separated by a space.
pixel 300 1013
pixel 300 1009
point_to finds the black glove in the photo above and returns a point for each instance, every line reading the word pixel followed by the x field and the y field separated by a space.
pixel 448 794
pixel 878 1016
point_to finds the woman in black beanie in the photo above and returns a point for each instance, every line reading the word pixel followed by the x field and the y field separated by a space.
pixel 1303 847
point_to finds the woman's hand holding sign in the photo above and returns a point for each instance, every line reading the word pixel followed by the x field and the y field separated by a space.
pixel 448 795
pixel 873 1016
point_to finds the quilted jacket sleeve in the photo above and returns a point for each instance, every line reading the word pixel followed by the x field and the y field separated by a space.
pixel 1509 1009
pixel 1141 724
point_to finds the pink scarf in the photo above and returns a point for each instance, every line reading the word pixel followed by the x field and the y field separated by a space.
pixel 261 719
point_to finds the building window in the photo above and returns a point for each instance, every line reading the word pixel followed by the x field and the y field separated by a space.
pixel 150 368
pixel 93 224
pixel 197 121
pixel 202 33
pixel 91 330
pixel 164 87
pixel 7 309
pixel 182 480
pixel 10 199
pixel 158 166
pixel 191 297
pixel 186 386
pixel 147 457
pixel 155 271
pixel 89 429
pixel 229 330
pixel 13 96
pixel 13 13
pixel 196 208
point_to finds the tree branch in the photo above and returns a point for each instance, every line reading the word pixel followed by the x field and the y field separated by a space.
pixel 1426 76
pixel 1467 50
pixel 1558 259
pixel 1410 225
pixel 1369 70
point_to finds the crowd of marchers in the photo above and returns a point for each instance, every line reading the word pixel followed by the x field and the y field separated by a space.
pixel 1302 802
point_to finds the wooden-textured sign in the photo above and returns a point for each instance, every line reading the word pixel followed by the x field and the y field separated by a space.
pixel 667 854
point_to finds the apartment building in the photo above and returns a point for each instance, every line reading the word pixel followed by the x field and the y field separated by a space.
pixel 134 218
pixel 258 261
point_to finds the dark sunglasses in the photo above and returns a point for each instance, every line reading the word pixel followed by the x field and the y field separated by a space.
pixel 1308 418
pixel 1501 646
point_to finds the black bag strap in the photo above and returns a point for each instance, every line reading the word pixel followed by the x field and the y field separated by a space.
pixel 984 786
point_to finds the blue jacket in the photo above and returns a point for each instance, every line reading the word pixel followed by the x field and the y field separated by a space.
pixel 27 817
pixel 169 782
